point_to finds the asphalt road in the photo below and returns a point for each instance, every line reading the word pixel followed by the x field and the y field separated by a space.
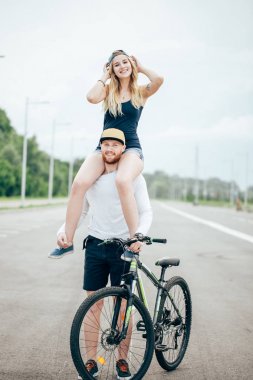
pixel 39 296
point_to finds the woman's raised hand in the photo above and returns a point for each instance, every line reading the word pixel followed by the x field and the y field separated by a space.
pixel 137 63
pixel 106 71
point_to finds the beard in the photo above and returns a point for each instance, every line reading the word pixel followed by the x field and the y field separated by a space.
pixel 113 159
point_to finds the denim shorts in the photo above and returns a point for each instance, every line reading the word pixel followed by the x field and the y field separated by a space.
pixel 137 151
pixel 102 262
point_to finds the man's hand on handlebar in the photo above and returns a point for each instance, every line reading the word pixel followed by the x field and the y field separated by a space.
pixel 136 247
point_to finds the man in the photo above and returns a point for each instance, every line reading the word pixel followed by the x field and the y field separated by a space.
pixel 107 221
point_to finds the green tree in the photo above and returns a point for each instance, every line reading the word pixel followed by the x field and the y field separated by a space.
pixel 7 178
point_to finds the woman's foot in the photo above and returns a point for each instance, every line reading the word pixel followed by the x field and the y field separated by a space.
pixel 58 252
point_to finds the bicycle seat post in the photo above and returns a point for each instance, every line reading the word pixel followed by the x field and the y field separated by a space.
pixel 163 270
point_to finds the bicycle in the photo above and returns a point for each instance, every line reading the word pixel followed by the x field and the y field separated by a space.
pixel 115 319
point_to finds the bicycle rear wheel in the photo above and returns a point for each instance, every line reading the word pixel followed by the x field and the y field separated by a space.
pixel 92 336
pixel 173 330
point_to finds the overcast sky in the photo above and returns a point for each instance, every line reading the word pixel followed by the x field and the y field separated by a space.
pixel 55 50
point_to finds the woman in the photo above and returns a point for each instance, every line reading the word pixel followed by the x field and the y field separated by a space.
pixel 123 103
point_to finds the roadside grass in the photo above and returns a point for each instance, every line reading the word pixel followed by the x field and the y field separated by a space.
pixel 14 203
pixel 18 198
pixel 216 203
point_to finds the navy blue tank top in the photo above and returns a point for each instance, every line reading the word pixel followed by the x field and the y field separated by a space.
pixel 127 123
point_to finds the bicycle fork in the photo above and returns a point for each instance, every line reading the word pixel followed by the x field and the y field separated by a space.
pixel 129 305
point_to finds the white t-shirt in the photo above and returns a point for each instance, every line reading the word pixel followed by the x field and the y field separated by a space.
pixel 104 207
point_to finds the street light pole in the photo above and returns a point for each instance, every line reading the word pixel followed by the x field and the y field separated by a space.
pixel 24 159
pixel 51 167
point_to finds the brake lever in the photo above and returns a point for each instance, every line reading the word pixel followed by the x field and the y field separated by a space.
pixel 148 242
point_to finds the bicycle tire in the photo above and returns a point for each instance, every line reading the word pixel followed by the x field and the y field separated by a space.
pixel 170 358
pixel 76 351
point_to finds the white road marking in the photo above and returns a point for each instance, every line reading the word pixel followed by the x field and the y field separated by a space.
pixel 209 223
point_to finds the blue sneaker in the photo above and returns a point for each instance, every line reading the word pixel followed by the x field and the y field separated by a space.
pixel 58 253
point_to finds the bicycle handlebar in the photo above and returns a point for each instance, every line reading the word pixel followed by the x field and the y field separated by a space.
pixel 163 241
pixel 144 239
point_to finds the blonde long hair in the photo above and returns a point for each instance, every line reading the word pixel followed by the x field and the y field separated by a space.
pixel 112 101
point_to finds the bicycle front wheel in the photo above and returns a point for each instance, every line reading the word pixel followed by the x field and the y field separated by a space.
pixel 92 335
pixel 173 330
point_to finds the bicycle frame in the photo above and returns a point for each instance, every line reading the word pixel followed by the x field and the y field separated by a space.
pixel 157 283
pixel 136 282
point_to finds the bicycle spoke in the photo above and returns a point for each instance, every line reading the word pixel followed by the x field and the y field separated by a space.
pixel 97 339
pixel 175 328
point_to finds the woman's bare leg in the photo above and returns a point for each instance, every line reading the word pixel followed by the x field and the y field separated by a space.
pixel 89 172
pixel 130 166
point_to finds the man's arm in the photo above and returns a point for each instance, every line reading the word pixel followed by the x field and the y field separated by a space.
pixel 143 205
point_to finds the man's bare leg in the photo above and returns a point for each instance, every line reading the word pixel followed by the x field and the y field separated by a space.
pixel 125 344
pixel 91 329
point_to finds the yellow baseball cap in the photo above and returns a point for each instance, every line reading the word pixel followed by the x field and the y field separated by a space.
pixel 113 134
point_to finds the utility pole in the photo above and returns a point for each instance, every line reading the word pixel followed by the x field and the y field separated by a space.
pixel 246 181
pixel 232 187
pixel 51 165
pixel 24 160
pixel 196 186
pixel 185 190
pixel 205 192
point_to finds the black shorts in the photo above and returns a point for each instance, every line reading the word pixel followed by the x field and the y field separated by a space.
pixel 100 262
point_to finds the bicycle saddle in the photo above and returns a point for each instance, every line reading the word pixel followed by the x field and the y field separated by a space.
pixel 166 262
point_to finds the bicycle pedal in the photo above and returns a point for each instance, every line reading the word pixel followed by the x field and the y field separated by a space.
pixel 161 347
pixel 144 336
pixel 140 326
